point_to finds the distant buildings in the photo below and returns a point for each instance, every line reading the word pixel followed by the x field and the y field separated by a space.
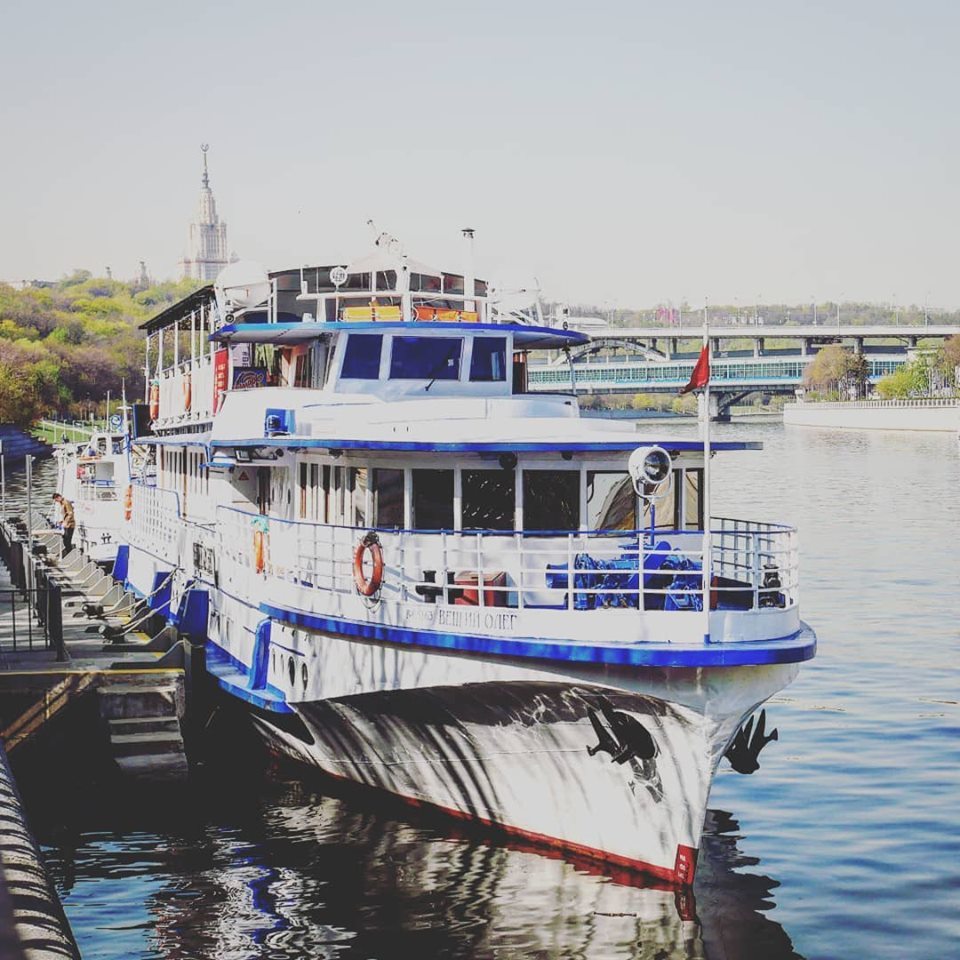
pixel 207 240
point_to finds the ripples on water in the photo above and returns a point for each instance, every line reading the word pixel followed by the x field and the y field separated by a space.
pixel 844 845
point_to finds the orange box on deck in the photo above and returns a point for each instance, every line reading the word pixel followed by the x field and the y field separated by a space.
pixel 469 580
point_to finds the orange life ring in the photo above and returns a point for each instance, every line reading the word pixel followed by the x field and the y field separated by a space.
pixel 259 551
pixel 365 587
pixel 154 400
pixel 128 502
pixel 186 393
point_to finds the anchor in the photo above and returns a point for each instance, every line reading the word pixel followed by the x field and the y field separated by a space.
pixel 620 735
pixel 744 752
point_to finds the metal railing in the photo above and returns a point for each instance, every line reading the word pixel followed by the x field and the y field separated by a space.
pixel 31 609
pixel 754 565
pixel 913 403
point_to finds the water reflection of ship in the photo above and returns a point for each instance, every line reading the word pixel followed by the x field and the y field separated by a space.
pixel 327 878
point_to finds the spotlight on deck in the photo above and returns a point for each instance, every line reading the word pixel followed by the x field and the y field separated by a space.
pixel 649 468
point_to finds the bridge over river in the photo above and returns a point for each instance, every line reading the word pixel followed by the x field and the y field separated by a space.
pixel 661 359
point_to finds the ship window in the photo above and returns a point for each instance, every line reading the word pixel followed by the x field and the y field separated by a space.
pixel 693 505
pixel 551 499
pixel 519 372
pixel 387 498
pixel 335 511
pixel 664 514
pixel 452 283
pixel 424 283
pixel 361 360
pixel 489 360
pixel 433 499
pixel 488 499
pixel 358 493
pixel 426 358
pixel 611 501
pixel 386 280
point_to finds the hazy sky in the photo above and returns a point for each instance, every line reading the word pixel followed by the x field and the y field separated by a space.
pixel 623 153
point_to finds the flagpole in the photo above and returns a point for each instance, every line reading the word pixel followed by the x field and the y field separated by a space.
pixel 707 562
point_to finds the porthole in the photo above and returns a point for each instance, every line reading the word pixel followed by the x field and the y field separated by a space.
pixel 303 675
pixel 293 672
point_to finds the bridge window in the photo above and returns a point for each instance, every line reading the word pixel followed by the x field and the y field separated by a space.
pixel 361 361
pixel 387 490
pixel 489 360
pixel 611 501
pixel 488 499
pixel 426 358
pixel 433 499
pixel 551 499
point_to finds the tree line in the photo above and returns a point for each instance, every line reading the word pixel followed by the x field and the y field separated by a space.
pixel 65 345
pixel 839 373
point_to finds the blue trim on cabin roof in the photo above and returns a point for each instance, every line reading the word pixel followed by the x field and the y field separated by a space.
pixel 524 336
pixel 793 649
pixel 496 446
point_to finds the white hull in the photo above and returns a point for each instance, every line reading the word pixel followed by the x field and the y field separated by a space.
pixel 518 757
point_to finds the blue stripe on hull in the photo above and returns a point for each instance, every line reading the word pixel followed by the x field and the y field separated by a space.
pixel 794 649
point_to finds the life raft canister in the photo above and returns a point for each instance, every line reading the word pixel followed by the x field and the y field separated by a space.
pixel 368 587
pixel 154 400
pixel 128 502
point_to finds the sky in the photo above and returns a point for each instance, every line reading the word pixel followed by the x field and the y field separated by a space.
pixel 620 154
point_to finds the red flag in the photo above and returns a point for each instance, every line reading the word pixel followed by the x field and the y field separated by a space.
pixel 701 372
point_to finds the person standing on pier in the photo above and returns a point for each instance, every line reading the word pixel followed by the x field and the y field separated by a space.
pixel 69 522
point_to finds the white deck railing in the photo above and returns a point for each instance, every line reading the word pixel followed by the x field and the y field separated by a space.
pixel 755 565
pixel 155 521
pixel 174 393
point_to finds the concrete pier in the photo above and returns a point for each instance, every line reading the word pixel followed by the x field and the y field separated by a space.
pixel 33 925
pixel 79 672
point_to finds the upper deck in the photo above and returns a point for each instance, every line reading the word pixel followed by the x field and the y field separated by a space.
pixel 385 327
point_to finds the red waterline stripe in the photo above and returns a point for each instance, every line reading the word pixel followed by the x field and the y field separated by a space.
pixel 681 875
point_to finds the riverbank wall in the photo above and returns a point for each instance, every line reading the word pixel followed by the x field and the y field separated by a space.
pixel 937 415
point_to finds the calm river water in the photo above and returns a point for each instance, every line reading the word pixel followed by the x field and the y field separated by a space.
pixel 845 844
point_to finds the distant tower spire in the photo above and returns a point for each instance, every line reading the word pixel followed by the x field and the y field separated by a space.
pixel 207 237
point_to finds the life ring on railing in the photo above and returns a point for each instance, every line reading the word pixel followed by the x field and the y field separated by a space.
pixel 259 551
pixel 128 502
pixel 154 400
pixel 368 587
pixel 186 393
